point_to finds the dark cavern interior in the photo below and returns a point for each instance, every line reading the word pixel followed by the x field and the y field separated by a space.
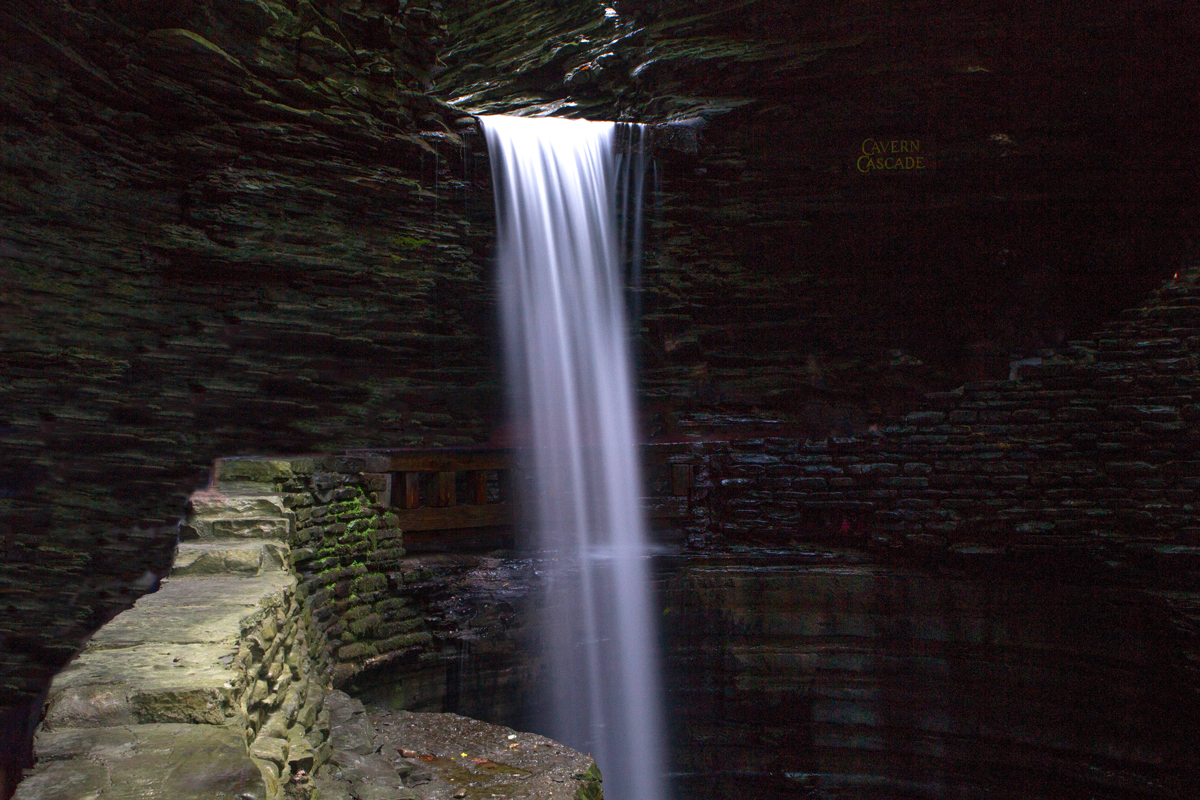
pixel 916 329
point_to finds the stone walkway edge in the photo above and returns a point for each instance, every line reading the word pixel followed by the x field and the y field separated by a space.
pixel 219 685
pixel 211 687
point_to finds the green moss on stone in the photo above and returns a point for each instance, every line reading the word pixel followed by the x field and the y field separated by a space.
pixel 367 626
pixel 355 612
pixel 356 651
pixel 591 787
pixel 404 641
pixel 391 604
pixel 371 583
pixel 393 629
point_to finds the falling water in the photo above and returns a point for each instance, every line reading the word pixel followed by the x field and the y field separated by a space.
pixel 571 380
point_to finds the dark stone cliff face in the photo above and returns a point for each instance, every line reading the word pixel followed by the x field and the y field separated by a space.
pixel 826 674
pixel 229 227
pixel 243 226
pixel 782 273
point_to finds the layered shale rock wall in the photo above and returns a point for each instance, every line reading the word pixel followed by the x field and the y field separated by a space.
pixel 784 269
pixel 229 228
pixel 832 671
pixel 1092 450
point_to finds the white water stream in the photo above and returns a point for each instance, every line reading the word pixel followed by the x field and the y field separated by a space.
pixel 571 380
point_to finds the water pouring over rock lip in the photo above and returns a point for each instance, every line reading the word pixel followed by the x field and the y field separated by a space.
pixel 570 380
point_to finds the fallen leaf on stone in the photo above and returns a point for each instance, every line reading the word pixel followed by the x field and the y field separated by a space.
pixel 478 760
pixel 427 757
pixel 409 753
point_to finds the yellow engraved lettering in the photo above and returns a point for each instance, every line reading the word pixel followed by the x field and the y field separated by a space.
pixel 877 154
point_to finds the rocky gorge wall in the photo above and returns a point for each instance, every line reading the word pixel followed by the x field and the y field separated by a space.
pixel 1094 451
pixel 782 272
pixel 249 226
pixel 816 670
pixel 228 229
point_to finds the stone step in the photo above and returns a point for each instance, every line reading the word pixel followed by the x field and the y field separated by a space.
pixel 225 528
pixel 170 761
pixel 237 512
pixel 229 557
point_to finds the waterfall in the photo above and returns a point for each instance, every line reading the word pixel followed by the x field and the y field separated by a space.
pixel 571 383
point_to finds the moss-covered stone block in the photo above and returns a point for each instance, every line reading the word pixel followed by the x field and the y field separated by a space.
pixel 590 785
pixel 356 651
pixel 404 641
pixel 366 626
pixel 391 605
pixel 373 582
pixel 355 612
pixel 361 524
pixel 392 629
pixel 258 470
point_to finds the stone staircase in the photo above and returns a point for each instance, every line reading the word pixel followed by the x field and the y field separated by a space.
pixel 161 702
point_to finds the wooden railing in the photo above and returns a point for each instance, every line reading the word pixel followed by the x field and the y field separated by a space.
pixel 446 489
pixel 453 489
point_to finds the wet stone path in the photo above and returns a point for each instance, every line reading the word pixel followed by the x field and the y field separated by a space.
pixel 445 756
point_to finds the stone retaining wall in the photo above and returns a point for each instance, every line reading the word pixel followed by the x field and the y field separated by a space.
pixel 345 547
pixel 211 687
pixel 290 579
pixel 286 678
pixel 1096 446
pixel 425 631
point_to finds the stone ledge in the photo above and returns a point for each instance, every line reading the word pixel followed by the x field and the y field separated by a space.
pixel 193 611
pixel 251 558
pixel 156 705
pixel 167 659
pixel 168 760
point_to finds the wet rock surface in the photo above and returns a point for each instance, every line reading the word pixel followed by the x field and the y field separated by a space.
pixel 161 760
pixel 817 672
pixel 482 660
pixel 405 755
pixel 463 757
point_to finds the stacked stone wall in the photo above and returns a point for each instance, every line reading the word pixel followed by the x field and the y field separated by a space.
pixel 223 660
pixel 1096 446
pixel 285 662
pixel 433 631
pixel 348 554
